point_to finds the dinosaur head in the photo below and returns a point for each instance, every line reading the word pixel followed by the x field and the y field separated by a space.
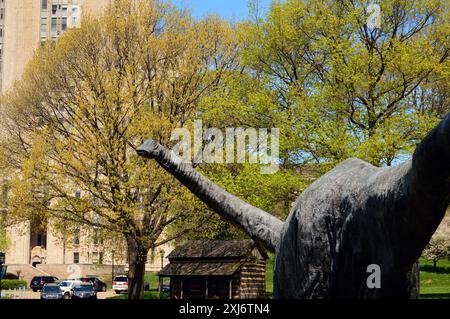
pixel 150 149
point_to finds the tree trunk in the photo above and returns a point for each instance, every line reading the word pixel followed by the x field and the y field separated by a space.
pixel 434 264
pixel 137 258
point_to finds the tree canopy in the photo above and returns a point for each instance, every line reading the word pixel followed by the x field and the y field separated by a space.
pixel 338 88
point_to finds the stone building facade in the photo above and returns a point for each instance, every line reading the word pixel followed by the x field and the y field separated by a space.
pixel 24 24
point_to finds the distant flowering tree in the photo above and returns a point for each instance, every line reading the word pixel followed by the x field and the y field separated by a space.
pixel 439 246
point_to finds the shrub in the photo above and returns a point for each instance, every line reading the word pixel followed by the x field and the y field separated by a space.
pixel 10 284
pixel 164 295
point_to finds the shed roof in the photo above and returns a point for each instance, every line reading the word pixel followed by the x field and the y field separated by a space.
pixel 213 249
pixel 200 269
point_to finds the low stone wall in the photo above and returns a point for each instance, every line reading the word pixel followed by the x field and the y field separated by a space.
pixel 26 272
pixel 74 271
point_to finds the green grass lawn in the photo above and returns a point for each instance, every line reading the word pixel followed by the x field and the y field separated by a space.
pixel 434 283
pixel 269 277
pixel 147 295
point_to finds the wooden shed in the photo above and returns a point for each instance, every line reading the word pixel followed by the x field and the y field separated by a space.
pixel 216 269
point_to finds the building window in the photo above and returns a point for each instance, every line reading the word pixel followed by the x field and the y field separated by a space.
pixel 44 4
pixel 54 26
pixel 43 27
pixel 63 24
pixel 75 15
pixel 98 239
pixel 54 9
pixel 76 236
pixel 76 258
pixel 97 258
pixel 96 235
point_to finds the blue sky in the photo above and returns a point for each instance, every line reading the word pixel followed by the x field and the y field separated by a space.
pixel 237 9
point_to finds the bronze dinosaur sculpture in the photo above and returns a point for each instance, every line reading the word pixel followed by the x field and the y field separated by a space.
pixel 352 217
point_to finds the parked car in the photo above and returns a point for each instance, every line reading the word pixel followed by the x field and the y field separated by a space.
pixel 51 291
pixel 165 288
pixel 120 284
pixel 84 291
pixel 10 276
pixel 67 287
pixel 39 281
pixel 98 284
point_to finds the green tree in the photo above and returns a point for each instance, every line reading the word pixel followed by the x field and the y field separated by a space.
pixel 4 241
pixel 339 88
pixel 85 102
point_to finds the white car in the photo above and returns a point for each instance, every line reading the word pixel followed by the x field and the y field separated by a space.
pixel 67 287
pixel 120 284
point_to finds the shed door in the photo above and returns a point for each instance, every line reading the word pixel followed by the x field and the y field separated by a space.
pixel 194 288
pixel 219 288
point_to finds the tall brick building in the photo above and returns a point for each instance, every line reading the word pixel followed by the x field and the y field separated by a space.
pixel 24 24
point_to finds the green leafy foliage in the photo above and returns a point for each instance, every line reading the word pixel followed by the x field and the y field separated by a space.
pixel 11 284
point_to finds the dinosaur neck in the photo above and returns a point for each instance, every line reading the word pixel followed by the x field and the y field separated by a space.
pixel 259 225
pixel 430 168
pixel 418 193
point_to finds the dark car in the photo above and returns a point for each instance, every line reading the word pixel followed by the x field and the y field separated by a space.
pixel 98 284
pixel 51 291
pixel 165 288
pixel 11 276
pixel 39 281
pixel 84 291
